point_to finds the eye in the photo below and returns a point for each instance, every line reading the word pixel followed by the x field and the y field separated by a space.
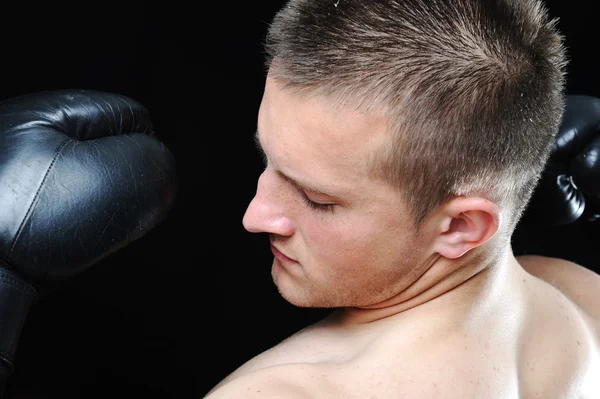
pixel 315 205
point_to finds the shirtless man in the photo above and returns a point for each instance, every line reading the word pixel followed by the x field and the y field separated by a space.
pixel 402 141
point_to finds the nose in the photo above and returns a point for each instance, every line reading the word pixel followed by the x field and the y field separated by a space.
pixel 267 212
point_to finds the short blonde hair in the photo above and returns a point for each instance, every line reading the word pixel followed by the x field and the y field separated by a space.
pixel 472 89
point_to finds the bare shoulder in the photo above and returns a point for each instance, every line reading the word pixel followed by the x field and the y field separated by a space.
pixel 580 284
pixel 258 385
pixel 293 381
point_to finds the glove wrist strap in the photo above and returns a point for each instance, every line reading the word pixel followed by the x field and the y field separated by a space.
pixel 16 298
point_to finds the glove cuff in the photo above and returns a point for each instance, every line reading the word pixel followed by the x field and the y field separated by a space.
pixel 16 298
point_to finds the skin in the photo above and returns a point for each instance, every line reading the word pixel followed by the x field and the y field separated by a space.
pixel 417 314
pixel 361 232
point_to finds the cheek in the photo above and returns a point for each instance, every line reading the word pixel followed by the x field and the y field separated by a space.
pixel 340 245
pixel 334 247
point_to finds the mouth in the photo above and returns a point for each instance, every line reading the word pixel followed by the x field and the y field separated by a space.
pixel 281 256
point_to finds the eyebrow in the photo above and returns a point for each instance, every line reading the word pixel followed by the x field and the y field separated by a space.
pixel 299 185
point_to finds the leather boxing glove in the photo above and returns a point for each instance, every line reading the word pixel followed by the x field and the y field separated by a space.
pixel 81 176
pixel 569 189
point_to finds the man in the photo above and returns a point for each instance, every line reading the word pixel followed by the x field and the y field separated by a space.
pixel 402 142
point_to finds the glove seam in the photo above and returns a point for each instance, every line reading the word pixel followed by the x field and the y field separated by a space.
pixel 5 358
pixel 16 284
pixel 33 202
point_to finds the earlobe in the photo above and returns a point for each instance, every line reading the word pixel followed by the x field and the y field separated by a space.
pixel 454 251
pixel 466 223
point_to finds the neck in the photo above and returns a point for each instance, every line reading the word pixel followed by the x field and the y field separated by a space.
pixel 448 288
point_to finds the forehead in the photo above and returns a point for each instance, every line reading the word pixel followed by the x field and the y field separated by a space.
pixel 318 125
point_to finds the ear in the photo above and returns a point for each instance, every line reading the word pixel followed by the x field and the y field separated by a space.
pixel 464 224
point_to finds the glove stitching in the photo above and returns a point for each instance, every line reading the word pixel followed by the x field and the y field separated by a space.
pixel 33 202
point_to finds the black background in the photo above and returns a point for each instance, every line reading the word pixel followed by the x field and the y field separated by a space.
pixel 175 312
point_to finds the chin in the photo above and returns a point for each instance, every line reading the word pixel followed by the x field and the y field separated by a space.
pixel 295 295
pixel 296 290
pixel 302 298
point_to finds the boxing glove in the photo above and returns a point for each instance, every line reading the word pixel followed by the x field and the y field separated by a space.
pixel 82 175
pixel 569 188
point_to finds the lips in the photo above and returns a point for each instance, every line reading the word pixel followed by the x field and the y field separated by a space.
pixel 280 255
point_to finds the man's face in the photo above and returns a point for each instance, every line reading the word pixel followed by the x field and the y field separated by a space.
pixel 339 237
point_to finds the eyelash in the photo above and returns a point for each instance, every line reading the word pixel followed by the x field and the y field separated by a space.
pixel 316 205
pixel 311 204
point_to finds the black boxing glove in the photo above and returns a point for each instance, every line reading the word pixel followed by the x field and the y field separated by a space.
pixel 569 189
pixel 81 176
